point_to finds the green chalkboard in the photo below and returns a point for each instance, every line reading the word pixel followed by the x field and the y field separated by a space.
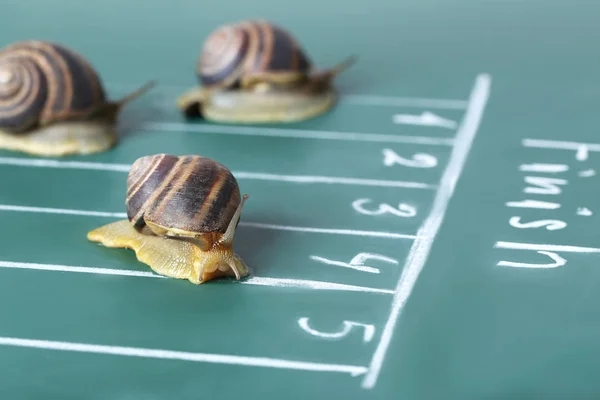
pixel 432 237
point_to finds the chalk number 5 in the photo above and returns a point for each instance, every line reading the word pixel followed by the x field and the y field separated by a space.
pixel 369 330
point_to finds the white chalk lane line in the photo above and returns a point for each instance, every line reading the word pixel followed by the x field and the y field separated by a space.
pixel 351 99
pixel 421 247
pixel 257 225
pixel 294 133
pixel 241 175
pixel 253 280
pixel 353 370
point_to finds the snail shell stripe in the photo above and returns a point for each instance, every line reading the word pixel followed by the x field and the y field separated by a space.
pixel 142 183
pixel 279 51
pixel 221 50
pixel 63 85
pixel 29 88
pixel 223 55
pixel 173 183
pixel 192 194
pixel 53 70
pixel 249 48
pixel 17 92
pixel 139 173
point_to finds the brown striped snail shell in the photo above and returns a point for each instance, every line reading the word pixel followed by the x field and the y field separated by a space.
pixel 233 54
pixel 256 71
pixel 187 196
pixel 52 101
pixel 182 213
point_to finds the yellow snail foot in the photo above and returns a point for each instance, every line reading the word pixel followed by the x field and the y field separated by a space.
pixel 61 139
pixel 175 258
pixel 258 106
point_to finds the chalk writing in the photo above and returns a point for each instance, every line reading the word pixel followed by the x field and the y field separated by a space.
pixel 586 212
pixel 357 262
pixel 583 152
pixel 557 261
pixel 418 160
pixel 549 168
pixel 369 330
pixel 549 250
pixel 546 247
pixel 582 149
pixel 544 185
pixel 403 210
pixel 547 186
pixel 426 119
pixel 550 224
pixel 533 204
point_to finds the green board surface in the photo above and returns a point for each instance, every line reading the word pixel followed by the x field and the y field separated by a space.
pixel 462 124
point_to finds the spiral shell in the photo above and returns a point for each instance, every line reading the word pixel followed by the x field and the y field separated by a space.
pixel 43 82
pixel 233 51
pixel 181 196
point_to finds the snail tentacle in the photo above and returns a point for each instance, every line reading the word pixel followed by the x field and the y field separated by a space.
pixel 227 238
pixel 109 110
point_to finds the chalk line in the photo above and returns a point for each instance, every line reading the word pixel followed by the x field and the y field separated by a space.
pixel 421 247
pixel 254 280
pixel 357 99
pixel 392 101
pixel 353 370
pixel 308 284
pixel 78 269
pixel 48 163
pixel 351 232
pixel 560 145
pixel 295 133
pixel 332 180
pixel 47 210
pixel 545 247
pixel 307 179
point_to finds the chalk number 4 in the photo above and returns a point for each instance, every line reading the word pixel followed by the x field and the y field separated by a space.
pixel 369 330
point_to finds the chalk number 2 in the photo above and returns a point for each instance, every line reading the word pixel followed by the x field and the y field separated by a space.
pixel 369 330
pixel 419 160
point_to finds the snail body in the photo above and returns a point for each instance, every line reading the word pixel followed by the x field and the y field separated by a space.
pixel 53 103
pixel 257 72
pixel 182 213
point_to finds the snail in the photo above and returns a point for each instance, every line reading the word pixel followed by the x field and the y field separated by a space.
pixel 182 213
pixel 256 72
pixel 52 101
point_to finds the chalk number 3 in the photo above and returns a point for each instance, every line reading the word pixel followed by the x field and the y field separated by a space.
pixel 403 210
pixel 369 330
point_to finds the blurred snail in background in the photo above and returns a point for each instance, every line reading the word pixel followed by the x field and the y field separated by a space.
pixel 52 101
pixel 182 216
pixel 256 72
